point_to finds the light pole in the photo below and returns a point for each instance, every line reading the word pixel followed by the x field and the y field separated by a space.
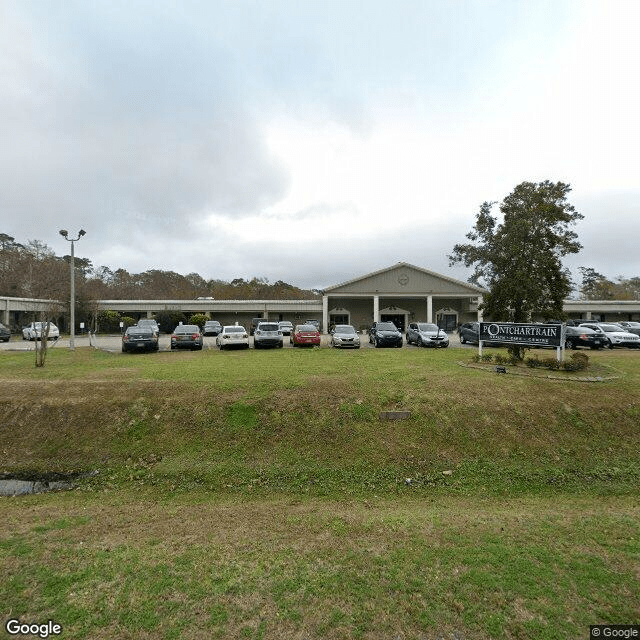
pixel 65 234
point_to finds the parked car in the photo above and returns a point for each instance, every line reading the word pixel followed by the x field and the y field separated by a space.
pixel 631 327
pixel 470 333
pixel 267 334
pixel 35 330
pixel 232 336
pixel 615 334
pixel 5 334
pixel 186 336
pixel 385 334
pixel 584 337
pixel 150 323
pixel 286 327
pixel 426 334
pixel 315 323
pixel 140 338
pixel 344 335
pixel 305 334
pixel 254 324
pixel 213 328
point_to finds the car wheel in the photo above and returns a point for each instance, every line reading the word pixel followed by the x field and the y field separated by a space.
pixel 462 339
pixel 376 344
pixel 610 345
pixel 418 342
pixel 280 345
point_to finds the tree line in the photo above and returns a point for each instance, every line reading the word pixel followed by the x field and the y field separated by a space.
pixel 33 270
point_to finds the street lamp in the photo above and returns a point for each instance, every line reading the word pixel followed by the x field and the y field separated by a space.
pixel 65 234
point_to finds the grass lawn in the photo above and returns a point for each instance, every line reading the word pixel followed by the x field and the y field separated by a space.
pixel 263 495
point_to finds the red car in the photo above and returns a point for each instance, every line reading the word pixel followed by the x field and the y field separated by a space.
pixel 305 334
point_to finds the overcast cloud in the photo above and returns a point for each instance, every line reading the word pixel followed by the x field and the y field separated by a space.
pixel 313 142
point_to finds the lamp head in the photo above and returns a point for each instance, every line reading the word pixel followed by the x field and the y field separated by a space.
pixel 81 233
pixel 63 232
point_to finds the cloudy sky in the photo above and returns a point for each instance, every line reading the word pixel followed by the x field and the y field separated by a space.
pixel 309 141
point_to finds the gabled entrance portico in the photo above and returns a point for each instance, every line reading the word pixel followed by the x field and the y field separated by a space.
pixel 403 293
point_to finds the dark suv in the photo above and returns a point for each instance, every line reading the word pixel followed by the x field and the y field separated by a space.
pixel 385 334
pixel 469 332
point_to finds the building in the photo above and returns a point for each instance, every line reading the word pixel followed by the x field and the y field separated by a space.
pixel 401 293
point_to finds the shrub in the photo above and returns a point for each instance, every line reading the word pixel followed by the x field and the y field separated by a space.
pixel 533 362
pixel 486 357
pixel 108 320
pixel 128 321
pixel 500 359
pixel 551 363
pixel 199 319
pixel 581 360
pixel 169 320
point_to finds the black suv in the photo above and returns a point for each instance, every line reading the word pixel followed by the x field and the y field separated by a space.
pixel 469 332
pixel 385 334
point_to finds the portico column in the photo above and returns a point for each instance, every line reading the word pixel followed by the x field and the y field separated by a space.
pixel 430 309
pixel 325 314
pixel 479 310
pixel 376 308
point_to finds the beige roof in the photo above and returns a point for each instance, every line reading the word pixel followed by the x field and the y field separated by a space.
pixel 405 278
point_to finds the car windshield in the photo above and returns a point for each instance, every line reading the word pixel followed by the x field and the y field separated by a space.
pixel 286 324
pixel 234 329
pixel 306 327
pixel 267 327
pixel 212 323
pixel 386 326
pixel 609 328
pixel 187 328
pixel 344 328
pixel 425 326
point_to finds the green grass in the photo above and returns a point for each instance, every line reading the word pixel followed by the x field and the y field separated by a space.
pixel 260 495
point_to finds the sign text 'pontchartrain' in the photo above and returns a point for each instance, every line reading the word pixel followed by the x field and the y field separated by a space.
pixel 534 335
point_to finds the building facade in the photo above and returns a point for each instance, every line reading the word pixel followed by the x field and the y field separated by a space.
pixel 401 293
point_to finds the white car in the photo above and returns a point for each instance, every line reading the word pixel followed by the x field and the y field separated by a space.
pixel 232 336
pixel 34 331
pixel 616 334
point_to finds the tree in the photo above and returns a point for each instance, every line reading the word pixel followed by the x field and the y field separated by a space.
pixel 519 260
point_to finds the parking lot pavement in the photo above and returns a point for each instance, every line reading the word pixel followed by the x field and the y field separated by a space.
pixel 113 343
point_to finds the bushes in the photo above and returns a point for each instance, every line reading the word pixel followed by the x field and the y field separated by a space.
pixel 199 319
pixel 577 362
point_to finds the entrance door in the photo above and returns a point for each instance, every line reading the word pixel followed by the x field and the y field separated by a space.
pixel 448 321
pixel 398 320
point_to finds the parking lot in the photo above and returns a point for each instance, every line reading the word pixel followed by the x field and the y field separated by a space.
pixel 113 343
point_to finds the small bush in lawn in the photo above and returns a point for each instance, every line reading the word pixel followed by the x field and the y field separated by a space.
pixel 551 363
pixel 568 365
pixel 581 360
pixel 500 359
pixel 533 362
pixel 486 357
pixel 475 357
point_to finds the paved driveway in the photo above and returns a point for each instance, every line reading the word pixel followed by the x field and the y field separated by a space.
pixel 113 343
